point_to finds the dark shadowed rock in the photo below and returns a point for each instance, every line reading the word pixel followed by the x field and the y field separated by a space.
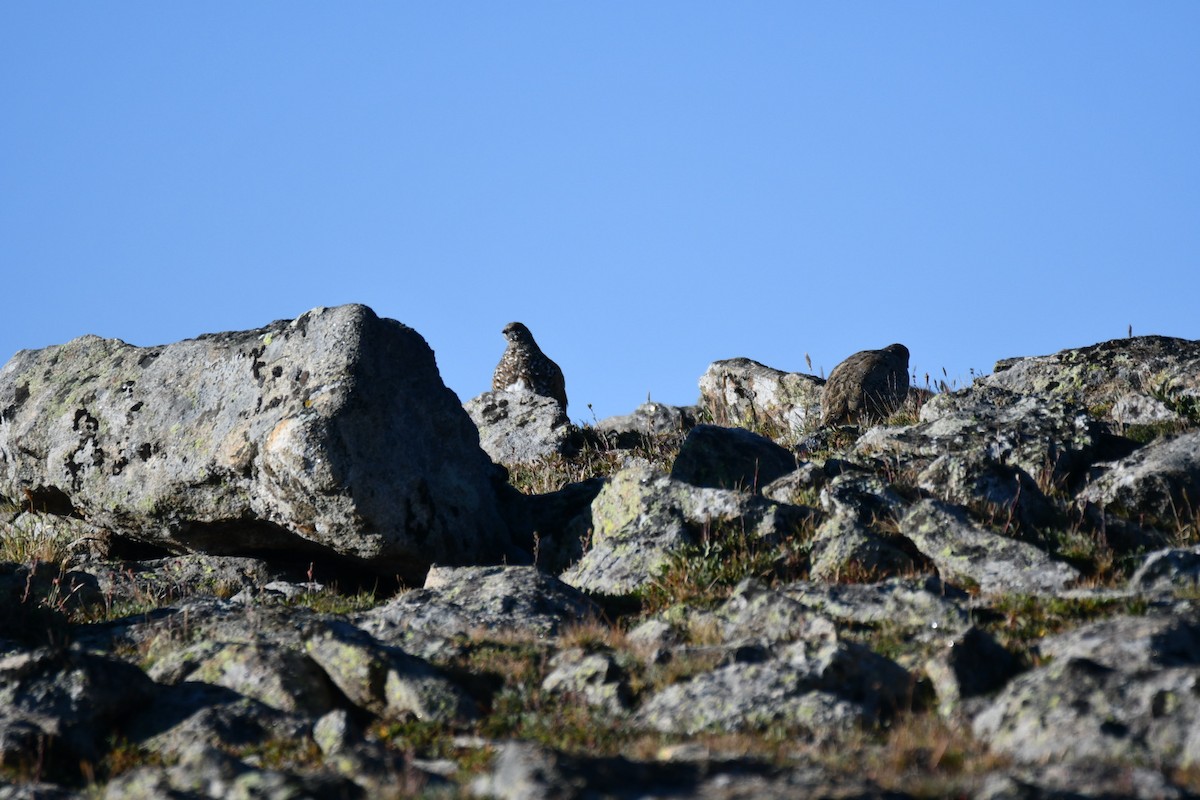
pixel 60 706
pixel 743 393
pixel 730 458
pixel 551 528
pixel 968 666
pixel 332 432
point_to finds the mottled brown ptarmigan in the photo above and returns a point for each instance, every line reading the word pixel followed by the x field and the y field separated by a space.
pixel 525 367
pixel 867 386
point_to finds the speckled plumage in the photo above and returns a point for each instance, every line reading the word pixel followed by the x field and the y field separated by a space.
pixel 867 386
pixel 525 366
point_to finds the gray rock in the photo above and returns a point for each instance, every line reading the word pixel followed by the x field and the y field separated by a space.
pixel 193 716
pixel 456 602
pixel 521 427
pixel 744 393
pixel 800 487
pixel 1130 643
pixel 862 496
pixel 593 677
pixel 526 771
pixel 335 731
pixel 845 549
pixel 757 615
pixel 209 773
pixel 385 680
pixel 36 790
pixel 822 686
pixel 1159 483
pixel 648 421
pixel 278 676
pixel 333 432
pixel 1080 781
pixel 58 706
pixel 968 666
pixel 965 553
pixel 730 458
pixel 925 608
pixel 641 516
pixel 1164 570
pixel 1125 689
pixel 1041 436
pixel 1078 710
pixel 973 478
pixel 1104 375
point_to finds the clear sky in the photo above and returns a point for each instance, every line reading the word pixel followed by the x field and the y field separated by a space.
pixel 649 186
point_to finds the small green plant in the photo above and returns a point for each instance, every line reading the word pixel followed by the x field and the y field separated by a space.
pixel 35 537
pixel 704 573
pixel 1019 620
pixel 594 459
pixel 1185 404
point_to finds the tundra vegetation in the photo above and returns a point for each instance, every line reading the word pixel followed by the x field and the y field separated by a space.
pixel 277 563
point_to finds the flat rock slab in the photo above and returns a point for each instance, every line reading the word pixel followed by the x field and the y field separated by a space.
pixel 1124 378
pixel 997 564
pixel 332 431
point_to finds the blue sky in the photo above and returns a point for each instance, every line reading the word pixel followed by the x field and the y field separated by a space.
pixel 649 186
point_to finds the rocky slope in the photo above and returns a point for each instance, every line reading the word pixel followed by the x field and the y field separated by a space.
pixel 280 563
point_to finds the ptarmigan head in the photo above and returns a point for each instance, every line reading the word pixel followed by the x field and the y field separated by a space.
pixel 517 333
pixel 899 354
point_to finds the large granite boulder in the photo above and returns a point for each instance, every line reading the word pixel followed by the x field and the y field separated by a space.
pixel 332 432
pixel 641 517
pixel 744 393
pixel 1138 380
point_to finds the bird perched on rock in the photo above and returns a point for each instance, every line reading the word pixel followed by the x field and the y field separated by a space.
pixel 525 366
pixel 867 386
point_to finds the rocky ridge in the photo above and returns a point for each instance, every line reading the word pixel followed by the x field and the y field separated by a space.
pixel 282 563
